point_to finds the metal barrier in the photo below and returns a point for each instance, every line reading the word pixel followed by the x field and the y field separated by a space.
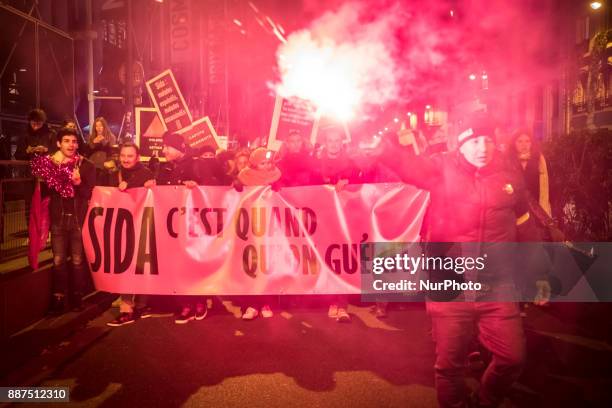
pixel 16 189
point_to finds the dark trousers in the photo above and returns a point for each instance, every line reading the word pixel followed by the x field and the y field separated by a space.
pixel 500 330
pixel 66 240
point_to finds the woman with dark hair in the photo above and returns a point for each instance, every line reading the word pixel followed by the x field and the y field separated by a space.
pixel 525 153
pixel 100 141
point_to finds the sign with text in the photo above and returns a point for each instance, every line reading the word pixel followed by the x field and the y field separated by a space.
pixel 149 132
pixel 169 101
pixel 291 114
pixel 217 241
pixel 200 133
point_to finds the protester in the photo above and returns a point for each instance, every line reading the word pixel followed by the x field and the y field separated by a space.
pixel 130 174
pixel 209 170
pixel 297 164
pixel 101 139
pixel 239 162
pixel 463 212
pixel 70 179
pixel 333 163
pixel 336 167
pixel 260 172
pixel 524 152
pixel 181 169
pixel 70 124
pixel 39 138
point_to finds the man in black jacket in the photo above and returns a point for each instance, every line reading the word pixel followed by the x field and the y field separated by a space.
pixel 131 174
pixel 70 179
pixel 475 202
pixel 39 139
pixel 181 169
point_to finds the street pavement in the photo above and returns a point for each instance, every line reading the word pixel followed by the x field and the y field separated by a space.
pixel 301 358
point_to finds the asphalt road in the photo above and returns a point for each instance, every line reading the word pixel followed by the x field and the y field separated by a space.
pixel 300 357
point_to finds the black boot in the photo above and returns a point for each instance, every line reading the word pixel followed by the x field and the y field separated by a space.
pixel 58 305
pixel 77 302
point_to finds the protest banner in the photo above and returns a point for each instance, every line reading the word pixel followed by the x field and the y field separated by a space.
pixel 217 241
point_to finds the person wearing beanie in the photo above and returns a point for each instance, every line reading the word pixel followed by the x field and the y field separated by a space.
pixel 261 172
pixel 181 169
pixel 39 139
pixel 475 197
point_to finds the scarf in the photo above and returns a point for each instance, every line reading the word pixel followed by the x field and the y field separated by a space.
pixel 57 176
pixel 252 177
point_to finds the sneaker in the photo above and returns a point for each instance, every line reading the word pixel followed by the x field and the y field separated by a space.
pixel 380 312
pixel 343 316
pixel 145 312
pixel 333 311
pixel 266 311
pixel 201 311
pixel 185 316
pixel 122 320
pixel 250 314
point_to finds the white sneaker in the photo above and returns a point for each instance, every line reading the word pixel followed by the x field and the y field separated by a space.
pixel 250 314
pixel 333 311
pixel 343 316
pixel 266 311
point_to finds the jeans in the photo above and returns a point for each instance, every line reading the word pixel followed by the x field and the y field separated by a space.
pixel 130 302
pixel 66 240
pixel 500 330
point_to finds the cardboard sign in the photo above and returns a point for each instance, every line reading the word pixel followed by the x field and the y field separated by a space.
pixel 200 133
pixel 291 114
pixel 149 132
pixel 169 101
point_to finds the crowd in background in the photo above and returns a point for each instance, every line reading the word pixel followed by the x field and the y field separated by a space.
pixel 297 163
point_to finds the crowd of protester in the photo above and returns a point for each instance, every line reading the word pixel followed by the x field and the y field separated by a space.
pixel 69 168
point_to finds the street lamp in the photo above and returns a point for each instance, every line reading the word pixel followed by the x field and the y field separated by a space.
pixel 596 5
